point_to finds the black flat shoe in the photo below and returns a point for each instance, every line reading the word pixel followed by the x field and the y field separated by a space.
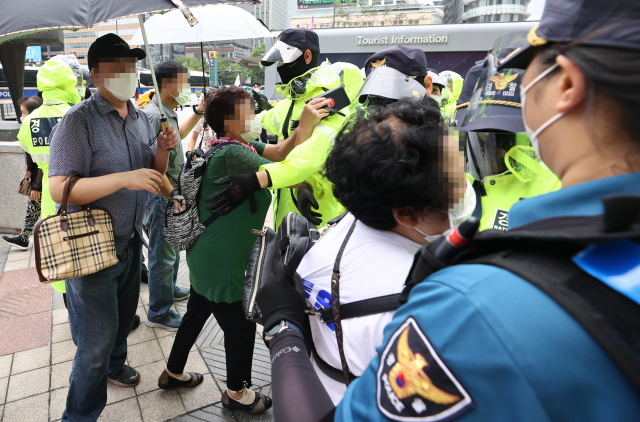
pixel 167 382
pixel 136 322
pixel 259 405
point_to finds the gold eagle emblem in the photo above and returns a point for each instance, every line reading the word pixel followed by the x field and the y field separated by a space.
pixel 501 80
pixel 378 63
pixel 407 377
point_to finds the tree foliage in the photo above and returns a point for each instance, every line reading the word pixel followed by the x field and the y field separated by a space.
pixel 189 62
pixel 257 75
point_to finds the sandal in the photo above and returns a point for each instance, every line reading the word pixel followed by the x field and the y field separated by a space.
pixel 167 382
pixel 259 405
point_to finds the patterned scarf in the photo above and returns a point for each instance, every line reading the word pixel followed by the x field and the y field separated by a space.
pixel 215 141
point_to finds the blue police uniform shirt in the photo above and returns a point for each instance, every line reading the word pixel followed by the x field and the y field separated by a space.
pixel 515 355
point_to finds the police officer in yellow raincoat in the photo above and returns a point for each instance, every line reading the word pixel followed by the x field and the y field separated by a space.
pixel 502 165
pixel 61 83
pixel 297 181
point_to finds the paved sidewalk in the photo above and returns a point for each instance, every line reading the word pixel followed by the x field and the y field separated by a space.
pixel 36 354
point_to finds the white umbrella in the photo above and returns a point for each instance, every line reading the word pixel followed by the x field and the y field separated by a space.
pixel 217 23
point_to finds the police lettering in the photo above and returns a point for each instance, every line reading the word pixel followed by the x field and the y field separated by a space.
pixel 395 401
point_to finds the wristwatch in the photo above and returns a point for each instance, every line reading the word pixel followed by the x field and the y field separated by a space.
pixel 280 328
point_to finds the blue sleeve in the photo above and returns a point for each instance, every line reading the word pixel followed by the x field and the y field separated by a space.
pixel 516 352
pixel 70 151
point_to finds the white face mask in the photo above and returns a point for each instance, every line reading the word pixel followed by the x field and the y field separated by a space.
pixel 459 213
pixel 184 94
pixel 533 135
pixel 435 97
pixel 255 129
pixel 123 86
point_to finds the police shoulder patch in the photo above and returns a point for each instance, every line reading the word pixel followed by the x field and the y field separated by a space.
pixel 413 382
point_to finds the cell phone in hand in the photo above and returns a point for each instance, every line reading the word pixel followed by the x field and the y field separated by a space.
pixel 338 98
pixel 260 100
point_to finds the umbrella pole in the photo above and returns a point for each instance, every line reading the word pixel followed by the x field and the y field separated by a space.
pixel 163 118
pixel 204 81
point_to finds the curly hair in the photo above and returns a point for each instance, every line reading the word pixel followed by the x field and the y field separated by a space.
pixel 390 159
pixel 31 103
pixel 221 106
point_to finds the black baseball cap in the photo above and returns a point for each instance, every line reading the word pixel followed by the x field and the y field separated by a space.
pixel 111 45
pixel 410 61
pixel 302 38
pixel 603 23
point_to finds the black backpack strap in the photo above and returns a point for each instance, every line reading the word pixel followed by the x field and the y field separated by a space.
pixel 200 171
pixel 333 373
pixel 335 302
pixel 207 156
pixel 611 318
pixel 285 126
pixel 285 135
pixel 360 308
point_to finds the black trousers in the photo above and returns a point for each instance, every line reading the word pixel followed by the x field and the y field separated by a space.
pixel 239 338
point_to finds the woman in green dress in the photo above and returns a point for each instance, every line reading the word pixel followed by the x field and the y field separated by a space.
pixel 218 259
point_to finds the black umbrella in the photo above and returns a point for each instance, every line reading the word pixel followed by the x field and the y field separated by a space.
pixel 20 18
pixel 70 14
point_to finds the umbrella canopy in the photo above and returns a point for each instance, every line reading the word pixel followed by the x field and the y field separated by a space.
pixel 217 23
pixel 16 21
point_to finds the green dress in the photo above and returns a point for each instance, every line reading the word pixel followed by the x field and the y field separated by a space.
pixel 218 259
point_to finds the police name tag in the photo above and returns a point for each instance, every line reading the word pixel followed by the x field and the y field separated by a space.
pixel 41 129
pixel 501 220
pixel 413 382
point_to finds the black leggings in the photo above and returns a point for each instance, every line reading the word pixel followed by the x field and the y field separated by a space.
pixel 239 338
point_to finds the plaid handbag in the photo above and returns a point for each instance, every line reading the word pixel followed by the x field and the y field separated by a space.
pixel 70 245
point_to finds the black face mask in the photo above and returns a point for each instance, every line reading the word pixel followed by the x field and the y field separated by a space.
pixel 289 71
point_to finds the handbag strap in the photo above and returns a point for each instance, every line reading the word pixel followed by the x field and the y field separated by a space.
pixel 335 303
pixel 68 185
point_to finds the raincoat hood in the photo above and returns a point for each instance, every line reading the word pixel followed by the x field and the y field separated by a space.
pixel 326 76
pixel 58 81
pixel 456 82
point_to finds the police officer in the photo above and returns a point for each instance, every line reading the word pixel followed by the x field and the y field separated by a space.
pixel 480 343
pixel 393 73
pixel 502 164
pixel 451 95
pixel 297 180
pixel 61 82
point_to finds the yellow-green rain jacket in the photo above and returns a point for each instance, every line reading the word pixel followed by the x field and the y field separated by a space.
pixel 306 161
pixel 498 193
pixel 449 104
pixel 57 82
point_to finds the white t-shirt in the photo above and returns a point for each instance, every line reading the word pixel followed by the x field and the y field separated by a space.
pixel 208 134
pixel 375 263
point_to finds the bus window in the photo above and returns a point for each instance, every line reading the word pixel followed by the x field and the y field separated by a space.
pixel 3 79
pixel 30 78
pixel 195 80
pixel 145 79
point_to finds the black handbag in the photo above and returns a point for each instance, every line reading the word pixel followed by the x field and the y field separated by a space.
pixel 294 238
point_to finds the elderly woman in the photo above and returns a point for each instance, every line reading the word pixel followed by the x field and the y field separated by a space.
pixel 218 259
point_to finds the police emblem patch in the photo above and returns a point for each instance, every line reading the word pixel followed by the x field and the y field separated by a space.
pixel 379 63
pixel 502 80
pixel 413 382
